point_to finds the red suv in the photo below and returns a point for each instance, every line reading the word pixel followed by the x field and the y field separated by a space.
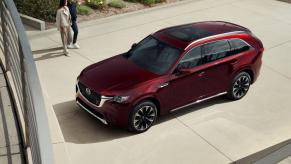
pixel 169 70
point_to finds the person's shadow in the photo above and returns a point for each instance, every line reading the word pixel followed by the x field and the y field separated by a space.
pixel 48 53
pixel 80 127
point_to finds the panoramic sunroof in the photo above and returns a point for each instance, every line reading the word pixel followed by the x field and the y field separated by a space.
pixel 188 33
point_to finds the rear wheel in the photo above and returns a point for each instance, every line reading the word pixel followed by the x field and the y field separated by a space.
pixel 240 86
pixel 142 117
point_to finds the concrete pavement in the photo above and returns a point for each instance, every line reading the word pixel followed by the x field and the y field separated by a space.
pixel 217 131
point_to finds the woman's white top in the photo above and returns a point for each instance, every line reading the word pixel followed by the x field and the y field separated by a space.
pixel 63 17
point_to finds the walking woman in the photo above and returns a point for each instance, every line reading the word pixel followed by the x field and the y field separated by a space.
pixel 63 21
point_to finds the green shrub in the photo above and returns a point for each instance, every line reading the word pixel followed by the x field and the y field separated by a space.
pixel 150 2
pixel 147 2
pixel 84 10
pixel 40 9
pixel 133 1
pixel 96 4
pixel 117 4
pixel 18 4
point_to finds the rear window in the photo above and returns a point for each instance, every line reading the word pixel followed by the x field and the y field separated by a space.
pixel 238 46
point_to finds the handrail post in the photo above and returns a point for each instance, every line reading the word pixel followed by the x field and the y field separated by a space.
pixel 23 80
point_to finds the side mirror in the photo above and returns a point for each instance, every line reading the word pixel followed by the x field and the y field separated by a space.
pixel 133 45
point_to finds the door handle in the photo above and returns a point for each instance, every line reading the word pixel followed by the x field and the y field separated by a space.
pixel 164 85
pixel 201 73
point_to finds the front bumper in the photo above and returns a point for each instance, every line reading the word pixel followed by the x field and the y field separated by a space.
pixel 108 112
pixel 91 112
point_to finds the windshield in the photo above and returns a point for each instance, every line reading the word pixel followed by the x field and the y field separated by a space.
pixel 154 55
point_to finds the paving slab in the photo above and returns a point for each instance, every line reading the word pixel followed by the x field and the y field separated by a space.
pixel 62 73
pixel 10 141
pixel 2 80
pixel 279 59
pixel 162 145
pixel 286 161
pixel 9 130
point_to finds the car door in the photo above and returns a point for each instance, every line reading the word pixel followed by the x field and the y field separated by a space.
pixel 186 87
pixel 240 53
pixel 217 67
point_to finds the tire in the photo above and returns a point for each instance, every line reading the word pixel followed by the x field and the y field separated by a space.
pixel 142 117
pixel 240 86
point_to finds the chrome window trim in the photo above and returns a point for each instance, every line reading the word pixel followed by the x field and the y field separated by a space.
pixel 201 45
pixel 213 36
pixel 226 40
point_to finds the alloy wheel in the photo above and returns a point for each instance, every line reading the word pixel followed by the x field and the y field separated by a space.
pixel 144 118
pixel 241 86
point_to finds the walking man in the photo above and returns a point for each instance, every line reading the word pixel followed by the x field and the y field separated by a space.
pixel 73 11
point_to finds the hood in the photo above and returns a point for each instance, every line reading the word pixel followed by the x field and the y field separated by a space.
pixel 113 74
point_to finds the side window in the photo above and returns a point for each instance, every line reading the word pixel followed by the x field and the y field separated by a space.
pixel 192 58
pixel 215 50
pixel 238 46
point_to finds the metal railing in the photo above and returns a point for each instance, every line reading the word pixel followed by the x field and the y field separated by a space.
pixel 19 66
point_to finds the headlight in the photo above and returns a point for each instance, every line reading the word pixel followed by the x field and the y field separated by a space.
pixel 120 99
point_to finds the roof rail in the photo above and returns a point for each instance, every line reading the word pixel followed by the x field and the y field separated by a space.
pixel 214 36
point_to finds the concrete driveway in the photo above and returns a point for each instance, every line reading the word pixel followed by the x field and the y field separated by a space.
pixel 217 131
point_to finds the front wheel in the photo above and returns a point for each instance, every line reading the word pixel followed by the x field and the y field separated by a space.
pixel 240 86
pixel 142 117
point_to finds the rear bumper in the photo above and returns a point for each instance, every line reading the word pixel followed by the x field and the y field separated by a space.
pixel 257 67
pixel 258 70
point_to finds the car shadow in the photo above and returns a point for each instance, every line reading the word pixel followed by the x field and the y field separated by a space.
pixel 80 127
pixel 192 108
pixel 214 101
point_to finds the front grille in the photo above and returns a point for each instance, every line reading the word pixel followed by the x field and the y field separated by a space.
pixel 90 94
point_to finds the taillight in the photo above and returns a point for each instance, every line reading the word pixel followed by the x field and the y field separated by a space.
pixel 260 44
pixel 258 56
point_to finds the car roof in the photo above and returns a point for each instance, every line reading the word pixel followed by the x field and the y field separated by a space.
pixel 183 35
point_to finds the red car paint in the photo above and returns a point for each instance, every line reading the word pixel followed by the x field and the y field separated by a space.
pixel 117 76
